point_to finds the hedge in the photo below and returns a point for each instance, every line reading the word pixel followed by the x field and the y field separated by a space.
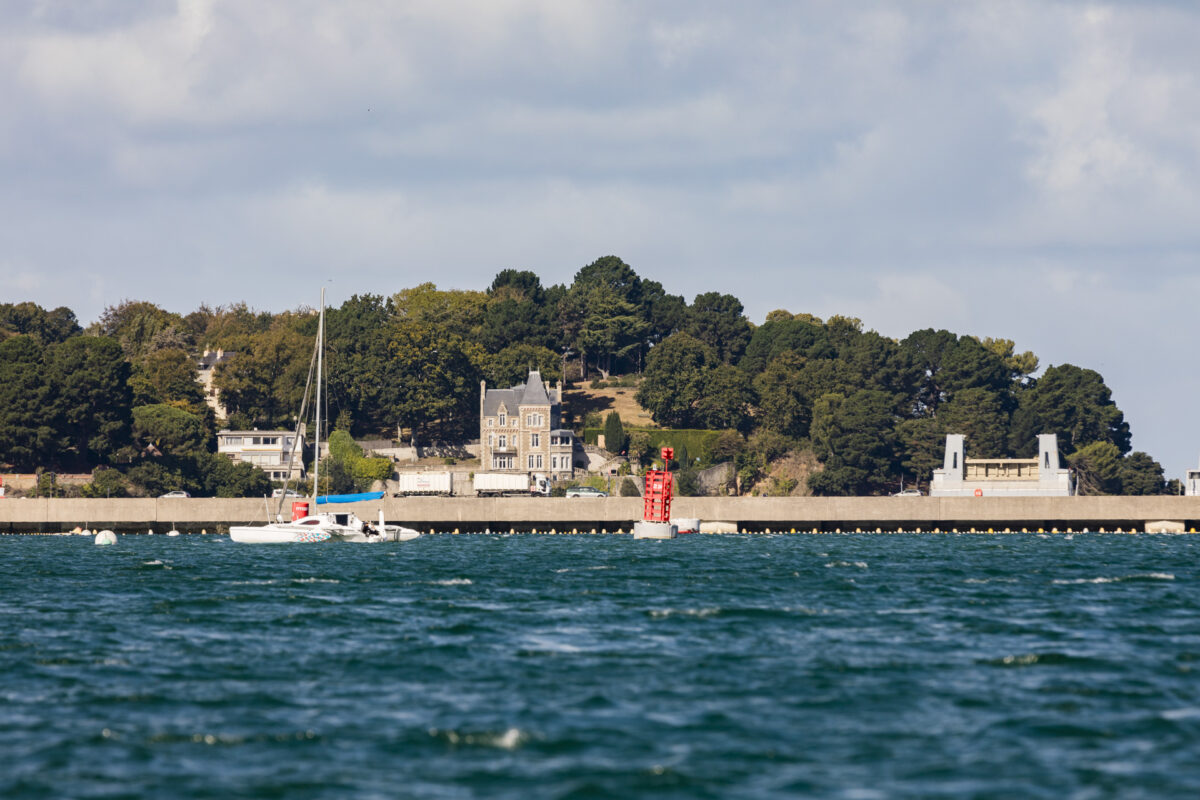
pixel 699 443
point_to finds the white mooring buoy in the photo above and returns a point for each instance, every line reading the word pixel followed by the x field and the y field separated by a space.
pixel 106 537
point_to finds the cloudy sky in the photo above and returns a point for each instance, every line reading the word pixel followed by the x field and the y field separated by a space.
pixel 1022 169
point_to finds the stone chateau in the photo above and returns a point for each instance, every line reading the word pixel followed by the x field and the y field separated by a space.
pixel 519 430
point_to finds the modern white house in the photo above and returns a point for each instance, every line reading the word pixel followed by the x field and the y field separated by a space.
pixel 267 450
pixel 1001 477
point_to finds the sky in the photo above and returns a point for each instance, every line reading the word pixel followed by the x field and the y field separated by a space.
pixel 1020 169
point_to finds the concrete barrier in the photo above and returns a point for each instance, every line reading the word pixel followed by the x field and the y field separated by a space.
pixel 543 513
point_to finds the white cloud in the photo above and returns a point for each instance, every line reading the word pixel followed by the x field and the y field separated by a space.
pixel 1026 169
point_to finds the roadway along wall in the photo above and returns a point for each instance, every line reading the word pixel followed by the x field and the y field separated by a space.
pixel 524 513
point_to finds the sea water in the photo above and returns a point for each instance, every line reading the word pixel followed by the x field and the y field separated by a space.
pixel 853 666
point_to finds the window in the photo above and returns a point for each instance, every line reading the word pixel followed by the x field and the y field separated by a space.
pixel 535 440
pixel 534 420
pixel 530 462
pixel 502 462
pixel 491 440
pixel 503 441
pixel 539 462
pixel 491 422
pixel 503 420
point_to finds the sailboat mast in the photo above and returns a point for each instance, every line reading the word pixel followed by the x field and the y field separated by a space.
pixel 317 432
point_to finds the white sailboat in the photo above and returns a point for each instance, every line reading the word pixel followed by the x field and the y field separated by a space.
pixel 322 526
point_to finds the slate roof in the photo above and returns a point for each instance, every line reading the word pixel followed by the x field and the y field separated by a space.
pixel 531 393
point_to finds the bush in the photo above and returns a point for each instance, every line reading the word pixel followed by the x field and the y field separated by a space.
pixel 686 483
pixel 106 482
pixel 449 461
pixel 367 471
pixel 698 443
pixel 628 488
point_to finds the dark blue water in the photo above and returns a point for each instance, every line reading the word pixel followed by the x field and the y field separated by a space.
pixel 857 666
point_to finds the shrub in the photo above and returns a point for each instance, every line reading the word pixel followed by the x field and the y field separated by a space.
pixel 629 488
pixel 686 484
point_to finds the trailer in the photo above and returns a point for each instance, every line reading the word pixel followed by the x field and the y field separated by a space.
pixel 504 484
pixel 425 483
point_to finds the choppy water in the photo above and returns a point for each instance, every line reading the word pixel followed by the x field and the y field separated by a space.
pixel 856 666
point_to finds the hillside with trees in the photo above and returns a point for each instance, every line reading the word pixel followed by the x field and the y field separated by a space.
pixel 862 411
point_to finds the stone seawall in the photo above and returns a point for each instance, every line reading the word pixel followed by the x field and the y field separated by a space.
pixel 21 515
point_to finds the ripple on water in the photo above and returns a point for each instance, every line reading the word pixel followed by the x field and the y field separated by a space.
pixel 523 666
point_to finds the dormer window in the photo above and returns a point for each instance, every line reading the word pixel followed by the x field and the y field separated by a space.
pixel 503 420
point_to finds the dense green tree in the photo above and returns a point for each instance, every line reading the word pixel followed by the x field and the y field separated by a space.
pixel 610 272
pixel 364 379
pixel 439 374
pixel 1142 475
pixel 927 350
pixel 855 438
pixel 30 319
pixel 516 312
pixel 664 313
pixel 106 482
pixel 226 327
pixel 1073 403
pixel 674 380
pixel 717 320
pixel 88 399
pixel 970 365
pixel 168 376
pixel 221 477
pixel 1097 468
pixel 876 363
pixel 614 433
pixel 922 444
pixel 512 365
pixel 782 403
pixel 1021 366
pixel 978 414
pixel 726 400
pixel 143 327
pixel 727 446
pixel 28 438
pixel 154 477
pixel 780 335
pixel 170 431
pixel 266 382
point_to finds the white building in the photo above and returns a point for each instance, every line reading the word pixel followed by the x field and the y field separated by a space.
pixel 206 367
pixel 267 450
pixel 1001 477
pixel 1192 487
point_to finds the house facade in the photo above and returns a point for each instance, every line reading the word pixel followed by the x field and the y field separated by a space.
pixel 206 367
pixel 519 430
pixel 270 451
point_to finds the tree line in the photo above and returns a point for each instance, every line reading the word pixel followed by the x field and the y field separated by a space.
pixel 123 393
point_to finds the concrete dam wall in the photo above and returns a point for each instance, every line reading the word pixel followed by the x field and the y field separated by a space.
pixel 28 515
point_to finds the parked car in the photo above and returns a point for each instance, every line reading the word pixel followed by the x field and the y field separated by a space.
pixel 287 493
pixel 907 493
pixel 585 491
pixel 176 493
